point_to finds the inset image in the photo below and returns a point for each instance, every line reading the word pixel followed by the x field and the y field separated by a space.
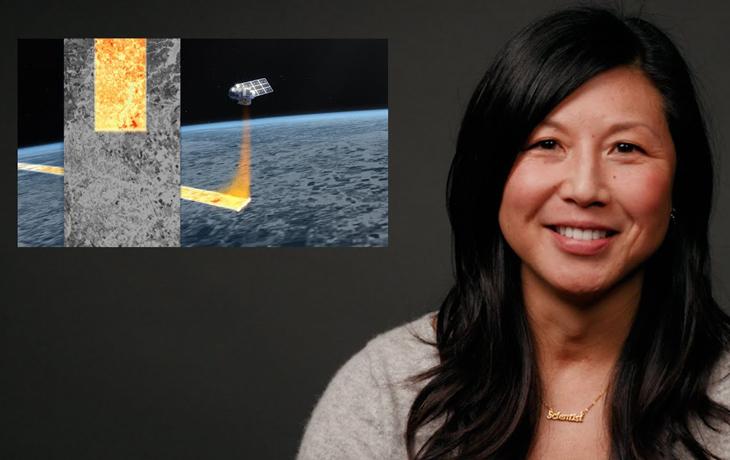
pixel 261 142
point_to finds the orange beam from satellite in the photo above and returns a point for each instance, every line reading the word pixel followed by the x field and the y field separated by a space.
pixel 240 186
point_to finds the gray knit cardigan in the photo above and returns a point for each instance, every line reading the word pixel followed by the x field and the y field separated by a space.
pixel 363 412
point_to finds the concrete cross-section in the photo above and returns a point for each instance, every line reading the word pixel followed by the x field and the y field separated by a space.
pixel 122 188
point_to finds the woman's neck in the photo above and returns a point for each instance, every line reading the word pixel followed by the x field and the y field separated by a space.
pixel 579 331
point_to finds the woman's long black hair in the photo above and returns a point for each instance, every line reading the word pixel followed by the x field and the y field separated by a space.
pixel 484 396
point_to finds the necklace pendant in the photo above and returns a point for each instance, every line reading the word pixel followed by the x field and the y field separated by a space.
pixel 560 417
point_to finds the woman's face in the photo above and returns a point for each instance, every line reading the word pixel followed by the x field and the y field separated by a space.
pixel 589 198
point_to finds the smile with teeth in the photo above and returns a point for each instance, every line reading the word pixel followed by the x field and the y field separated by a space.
pixel 582 233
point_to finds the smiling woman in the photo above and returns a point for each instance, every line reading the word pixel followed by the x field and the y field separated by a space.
pixel 589 198
pixel 582 322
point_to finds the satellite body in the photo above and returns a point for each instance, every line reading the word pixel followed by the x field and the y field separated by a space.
pixel 243 93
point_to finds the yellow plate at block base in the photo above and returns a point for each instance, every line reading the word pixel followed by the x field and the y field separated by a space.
pixel 222 200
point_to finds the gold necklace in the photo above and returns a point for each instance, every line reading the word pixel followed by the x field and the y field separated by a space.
pixel 558 416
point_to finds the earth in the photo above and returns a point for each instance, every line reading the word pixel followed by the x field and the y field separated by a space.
pixel 316 180
pixel 40 198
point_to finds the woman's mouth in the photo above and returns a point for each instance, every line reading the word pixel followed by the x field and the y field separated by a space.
pixel 584 234
pixel 581 241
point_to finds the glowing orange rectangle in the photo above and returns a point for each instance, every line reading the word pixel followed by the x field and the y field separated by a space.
pixel 120 84
pixel 221 200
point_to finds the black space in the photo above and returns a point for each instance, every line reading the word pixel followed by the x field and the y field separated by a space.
pixel 307 76
pixel 40 91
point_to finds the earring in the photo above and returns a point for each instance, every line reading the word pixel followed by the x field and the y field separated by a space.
pixel 673 215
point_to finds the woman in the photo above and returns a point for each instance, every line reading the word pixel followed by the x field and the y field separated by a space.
pixel 582 322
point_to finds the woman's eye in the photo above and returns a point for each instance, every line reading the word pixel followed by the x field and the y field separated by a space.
pixel 547 144
pixel 625 147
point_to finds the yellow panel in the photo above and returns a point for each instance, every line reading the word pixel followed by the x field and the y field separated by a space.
pixel 222 200
pixel 57 170
pixel 120 84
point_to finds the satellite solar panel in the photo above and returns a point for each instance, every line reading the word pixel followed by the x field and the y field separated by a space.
pixel 258 87
pixel 244 92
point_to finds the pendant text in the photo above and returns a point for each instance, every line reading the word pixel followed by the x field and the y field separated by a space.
pixel 557 415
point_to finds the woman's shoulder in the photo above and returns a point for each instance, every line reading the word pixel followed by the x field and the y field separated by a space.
pixel 400 353
pixel 391 358
pixel 719 388
pixel 363 411
pixel 717 440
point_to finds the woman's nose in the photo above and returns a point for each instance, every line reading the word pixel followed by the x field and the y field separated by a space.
pixel 584 181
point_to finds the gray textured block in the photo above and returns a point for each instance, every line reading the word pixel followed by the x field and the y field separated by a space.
pixel 122 188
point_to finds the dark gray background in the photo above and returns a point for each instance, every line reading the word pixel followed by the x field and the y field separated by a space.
pixel 222 353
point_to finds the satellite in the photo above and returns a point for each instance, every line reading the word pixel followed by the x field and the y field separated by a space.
pixel 243 93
